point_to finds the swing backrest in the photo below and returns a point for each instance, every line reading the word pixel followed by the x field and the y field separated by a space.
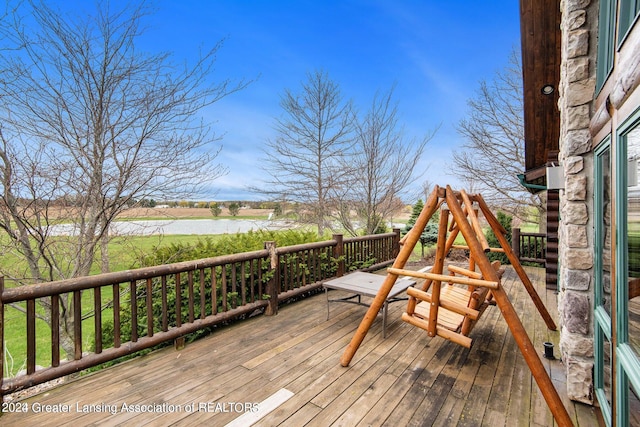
pixel 454 310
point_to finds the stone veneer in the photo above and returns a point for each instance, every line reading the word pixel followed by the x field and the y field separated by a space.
pixel 576 251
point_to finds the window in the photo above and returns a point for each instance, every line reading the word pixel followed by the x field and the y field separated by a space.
pixel 632 139
pixel 627 280
pixel 603 229
pixel 628 12
pixel 606 27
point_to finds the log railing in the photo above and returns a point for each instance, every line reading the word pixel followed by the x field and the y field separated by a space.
pixel 137 309
pixel 529 247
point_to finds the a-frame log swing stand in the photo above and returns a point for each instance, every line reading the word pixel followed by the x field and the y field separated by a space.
pixel 447 316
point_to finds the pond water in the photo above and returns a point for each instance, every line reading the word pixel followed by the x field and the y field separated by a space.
pixel 183 226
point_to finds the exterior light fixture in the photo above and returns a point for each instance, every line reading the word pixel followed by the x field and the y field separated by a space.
pixel 555 177
pixel 547 89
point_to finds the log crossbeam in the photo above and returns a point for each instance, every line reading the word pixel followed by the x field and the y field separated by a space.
pixel 444 278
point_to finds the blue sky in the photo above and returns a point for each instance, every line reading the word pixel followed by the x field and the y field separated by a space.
pixel 434 51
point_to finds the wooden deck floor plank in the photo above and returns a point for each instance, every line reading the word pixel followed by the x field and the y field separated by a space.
pixel 483 335
pixel 160 364
pixel 500 388
pixel 486 356
pixel 299 418
pixel 494 368
pixel 198 389
pixel 310 352
pixel 538 332
pixel 322 369
pixel 204 392
pixel 373 350
pixel 367 400
pixel 200 373
pixel 251 392
pixel 520 393
pixel 415 367
pixel 539 404
pixel 406 368
pixel 499 398
pixel 585 415
pixel 316 366
pixel 542 334
pixel 436 364
pixel 414 342
pixel 293 367
pixel 342 395
pixel 453 406
pixel 493 418
pixel 317 381
pixel 397 392
pixel 309 378
pixel 326 328
pixel 425 372
pixel 426 413
pixel 366 374
pixel 431 407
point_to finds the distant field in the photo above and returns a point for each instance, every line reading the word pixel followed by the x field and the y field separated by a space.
pixel 173 213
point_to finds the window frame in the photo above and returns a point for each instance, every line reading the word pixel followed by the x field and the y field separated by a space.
pixel 627 17
pixel 627 362
pixel 606 41
pixel 602 319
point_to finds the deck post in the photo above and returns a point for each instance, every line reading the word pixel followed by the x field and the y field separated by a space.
pixel 338 254
pixel 515 242
pixel 396 242
pixel 272 285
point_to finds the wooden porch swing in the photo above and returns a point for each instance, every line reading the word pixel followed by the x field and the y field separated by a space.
pixel 450 311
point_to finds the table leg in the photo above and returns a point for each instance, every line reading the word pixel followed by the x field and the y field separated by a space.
pixel 326 292
pixel 384 319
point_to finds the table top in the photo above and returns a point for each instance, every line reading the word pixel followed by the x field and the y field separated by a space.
pixel 367 284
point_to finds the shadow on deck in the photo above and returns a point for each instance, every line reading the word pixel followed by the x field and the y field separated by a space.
pixel 405 379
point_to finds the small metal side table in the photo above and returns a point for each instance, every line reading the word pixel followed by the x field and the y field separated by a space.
pixel 366 284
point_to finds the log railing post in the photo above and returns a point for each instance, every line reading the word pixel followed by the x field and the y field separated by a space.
pixel 515 242
pixel 338 253
pixel 396 242
pixel 274 281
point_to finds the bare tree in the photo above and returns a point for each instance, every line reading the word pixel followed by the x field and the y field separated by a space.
pixel 381 168
pixel 313 137
pixel 89 124
pixel 493 153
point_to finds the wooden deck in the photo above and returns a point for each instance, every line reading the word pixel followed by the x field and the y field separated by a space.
pixel 405 379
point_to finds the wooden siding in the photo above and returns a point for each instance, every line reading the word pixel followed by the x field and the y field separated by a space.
pixel 541 40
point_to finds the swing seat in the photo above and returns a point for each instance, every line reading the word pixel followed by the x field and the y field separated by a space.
pixel 456 309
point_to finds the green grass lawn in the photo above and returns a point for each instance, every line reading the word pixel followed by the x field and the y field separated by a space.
pixel 529 227
pixel 165 218
pixel 15 339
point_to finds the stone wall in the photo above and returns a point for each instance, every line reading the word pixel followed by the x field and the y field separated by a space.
pixel 576 251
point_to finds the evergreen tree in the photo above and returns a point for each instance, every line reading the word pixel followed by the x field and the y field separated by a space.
pixel 417 208
pixel 505 221
pixel 429 235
